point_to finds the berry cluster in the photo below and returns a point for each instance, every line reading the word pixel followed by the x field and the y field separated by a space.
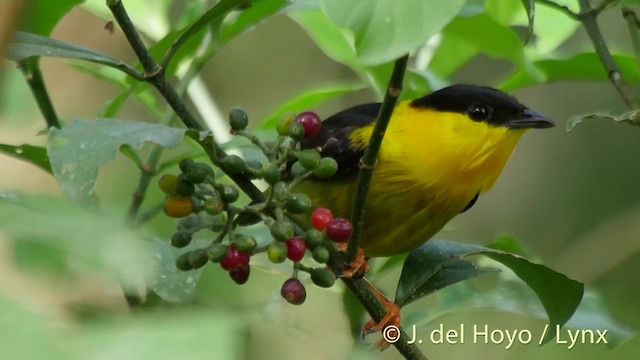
pixel 204 202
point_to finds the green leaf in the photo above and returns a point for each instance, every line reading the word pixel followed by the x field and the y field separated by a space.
pixel 451 54
pixel 530 8
pixel 623 3
pixel 630 118
pixel 25 45
pixel 77 151
pixel 307 100
pixel 35 155
pixel 385 30
pixel 43 17
pixel 250 17
pixel 440 263
pixel 495 39
pixel 585 66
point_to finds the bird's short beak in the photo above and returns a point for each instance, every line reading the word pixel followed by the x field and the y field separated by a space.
pixel 530 120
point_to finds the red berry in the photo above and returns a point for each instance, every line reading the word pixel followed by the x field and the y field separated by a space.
pixel 339 230
pixel 311 123
pixel 320 217
pixel 240 274
pixel 234 258
pixel 293 291
pixel 296 248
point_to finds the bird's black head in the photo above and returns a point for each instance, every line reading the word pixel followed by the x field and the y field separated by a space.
pixel 481 103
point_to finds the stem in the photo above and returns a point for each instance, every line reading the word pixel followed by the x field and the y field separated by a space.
pixel 561 8
pixel 632 23
pixel 31 70
pixel 589 22
pixel 369 159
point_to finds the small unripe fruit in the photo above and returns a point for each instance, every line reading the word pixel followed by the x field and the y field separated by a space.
pixel 321 255
pixel 293 291
pixel 283 125
pixel 298 170
pixel 185 165
pixel 229 193
pixel 181 239
pixel 213 205
pixel 270 173
pixel 309 158
pixel 296 248
pixel 184 187
pixel 198 173
pixel 327 167
pixel 298 203
pixel 238 119
pixel 245 244
pixel 233 164
pixel 240 274
pixel 339 230
pixel 198 258
pixel 313 238
pixel 183 263
pixel 311 123
pixel 296 131
pixel 167 184
pixel 216 252
pixel 282 230
pixel 277 252
pixel 280 192
pixel 178 207
pixel 320 217
pixel 323 277
pixel 286 147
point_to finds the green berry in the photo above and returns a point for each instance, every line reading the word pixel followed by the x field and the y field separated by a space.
pixel 216 252
pixel 245 243
pixel 271 173
pixel 181 239
pixel 168 183
pixel 296 131
pixel 253 169
pixel 323 277
pixel 309 158
pixel 298 203
pixel 280 191
pixel 183 263
pixel 229 193
pixel 286 147
pixel 198 173
pixel 277 252
pixel 238 119
pixel 283 125
pixel 233 164
pixel 321 255
pixel 184 187
pixel 313 238
pixel 282 230
pixel 298 170
pixel 218 222
pixel 186 164
pixel 213 205
pixel 327 167
pixel 198 258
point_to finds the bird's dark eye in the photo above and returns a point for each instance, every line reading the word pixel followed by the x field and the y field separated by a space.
pixel 479 112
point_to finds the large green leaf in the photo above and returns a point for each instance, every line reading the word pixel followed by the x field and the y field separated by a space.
pixel 42 16
pixel 307 100
pixel 25 45
pixel 585 66
pixel 78 150
pixel 385 30
pixel 250 17
pixel 33 154
pixel 440 263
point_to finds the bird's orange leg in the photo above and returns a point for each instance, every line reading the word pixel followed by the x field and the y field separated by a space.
pixel 390 318
pixel 357 268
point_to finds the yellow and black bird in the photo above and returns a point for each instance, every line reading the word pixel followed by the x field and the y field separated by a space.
pixel 438 154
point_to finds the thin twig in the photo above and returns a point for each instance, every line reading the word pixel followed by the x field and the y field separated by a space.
pixel 31 70
pixel 634 31
pixel 588 17
pixel 369 159
pixel 561 8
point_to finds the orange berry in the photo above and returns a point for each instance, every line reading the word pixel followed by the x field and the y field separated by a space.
pixel 178 207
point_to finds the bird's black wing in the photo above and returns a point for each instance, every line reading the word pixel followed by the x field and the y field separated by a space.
pixel 333 139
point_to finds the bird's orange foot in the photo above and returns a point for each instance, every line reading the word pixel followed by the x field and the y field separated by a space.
pixel 357 268
pixel 389 325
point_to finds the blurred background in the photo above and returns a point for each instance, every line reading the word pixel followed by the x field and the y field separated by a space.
pixel 571 198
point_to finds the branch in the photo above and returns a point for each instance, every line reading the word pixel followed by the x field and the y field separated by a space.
pixel 154 74
pixel 634 31
pixel 561 8
pixel 31 70
pixel 369 159
pixel 588 17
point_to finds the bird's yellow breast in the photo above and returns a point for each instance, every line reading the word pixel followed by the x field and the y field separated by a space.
pixel 428 170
